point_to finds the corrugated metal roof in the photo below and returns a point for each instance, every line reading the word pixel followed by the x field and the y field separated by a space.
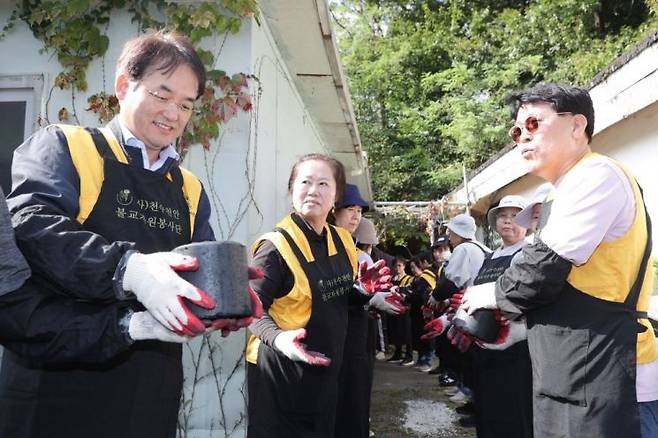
pixel 305 37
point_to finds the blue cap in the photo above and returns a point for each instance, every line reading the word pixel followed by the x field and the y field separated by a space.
pixel 351 196
pixel 441 241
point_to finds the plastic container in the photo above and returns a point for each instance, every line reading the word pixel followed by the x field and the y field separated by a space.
pixel 223 275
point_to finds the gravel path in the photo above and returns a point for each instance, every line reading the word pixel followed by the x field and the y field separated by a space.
pixel 408 403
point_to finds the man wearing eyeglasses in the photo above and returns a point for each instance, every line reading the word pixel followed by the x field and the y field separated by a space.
pixel 584 284
pixel 94 336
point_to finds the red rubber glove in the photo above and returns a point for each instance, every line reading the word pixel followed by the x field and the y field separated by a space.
pixel 230 325
pixel 374 278
pixel 397 300
pixel 428 312
pixel 459 339
pixel 438 306
pixel 289 342
pixel 437 326
pixel 456 300
pixel 153 280
pixel 509 334
pixel 389 302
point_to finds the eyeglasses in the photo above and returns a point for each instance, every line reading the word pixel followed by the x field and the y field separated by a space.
pixel 185 108
pixel 531 125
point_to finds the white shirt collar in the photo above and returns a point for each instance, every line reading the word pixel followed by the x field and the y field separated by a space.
pixel 507 250
pixel 130 140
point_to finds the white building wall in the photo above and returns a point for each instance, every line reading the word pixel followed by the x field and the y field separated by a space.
pixel 284 132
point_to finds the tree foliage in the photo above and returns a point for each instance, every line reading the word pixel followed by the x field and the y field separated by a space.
pixel 429 77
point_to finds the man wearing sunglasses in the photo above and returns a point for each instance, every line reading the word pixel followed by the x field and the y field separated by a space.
pixel 584 284
pixel 94 336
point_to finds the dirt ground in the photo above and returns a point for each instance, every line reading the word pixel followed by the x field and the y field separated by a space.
pixel 409 403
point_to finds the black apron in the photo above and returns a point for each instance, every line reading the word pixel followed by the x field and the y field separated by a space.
pixel 136 394
pixel 584 367
pixel 421 293
pixel 355 378
pixel 502 379
pixel 295 399
pixel 399 326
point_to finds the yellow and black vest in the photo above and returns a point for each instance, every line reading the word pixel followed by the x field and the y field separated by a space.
pixel 612 269
pixel 429 277
pixel 89 165
pixel 293 310
pixel 405 280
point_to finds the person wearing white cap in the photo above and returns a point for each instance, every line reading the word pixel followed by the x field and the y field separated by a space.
pixel 467 257
pixel 365 235
pixel 468 254
pixel 502 369
pixel 529 217
pixel 465 261
pixel 583 285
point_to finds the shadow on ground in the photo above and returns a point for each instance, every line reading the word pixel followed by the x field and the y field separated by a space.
pixel 408 403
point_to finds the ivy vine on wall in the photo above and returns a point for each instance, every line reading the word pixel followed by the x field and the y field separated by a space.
pixel 74 31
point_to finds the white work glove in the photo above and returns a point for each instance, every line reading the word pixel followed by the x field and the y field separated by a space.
pixel 482 296
pixel 153 280
pixel 510 333
pixel 388 302
pixel 144 327
pixel 289 342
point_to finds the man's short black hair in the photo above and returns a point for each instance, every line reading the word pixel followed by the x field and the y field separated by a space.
pixel 161 51
pixel 563 99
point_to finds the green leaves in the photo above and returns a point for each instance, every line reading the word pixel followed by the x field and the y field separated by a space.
pixel 72 30
pixel 76 7
pixel 429 79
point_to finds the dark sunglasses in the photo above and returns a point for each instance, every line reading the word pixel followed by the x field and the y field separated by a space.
pixel 531 125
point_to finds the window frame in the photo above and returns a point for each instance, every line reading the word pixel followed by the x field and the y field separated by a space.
pixel 27 88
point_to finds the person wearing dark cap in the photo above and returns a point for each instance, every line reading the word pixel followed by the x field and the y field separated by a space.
pixel 348 212
pixel 354 380
pixel 440 253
